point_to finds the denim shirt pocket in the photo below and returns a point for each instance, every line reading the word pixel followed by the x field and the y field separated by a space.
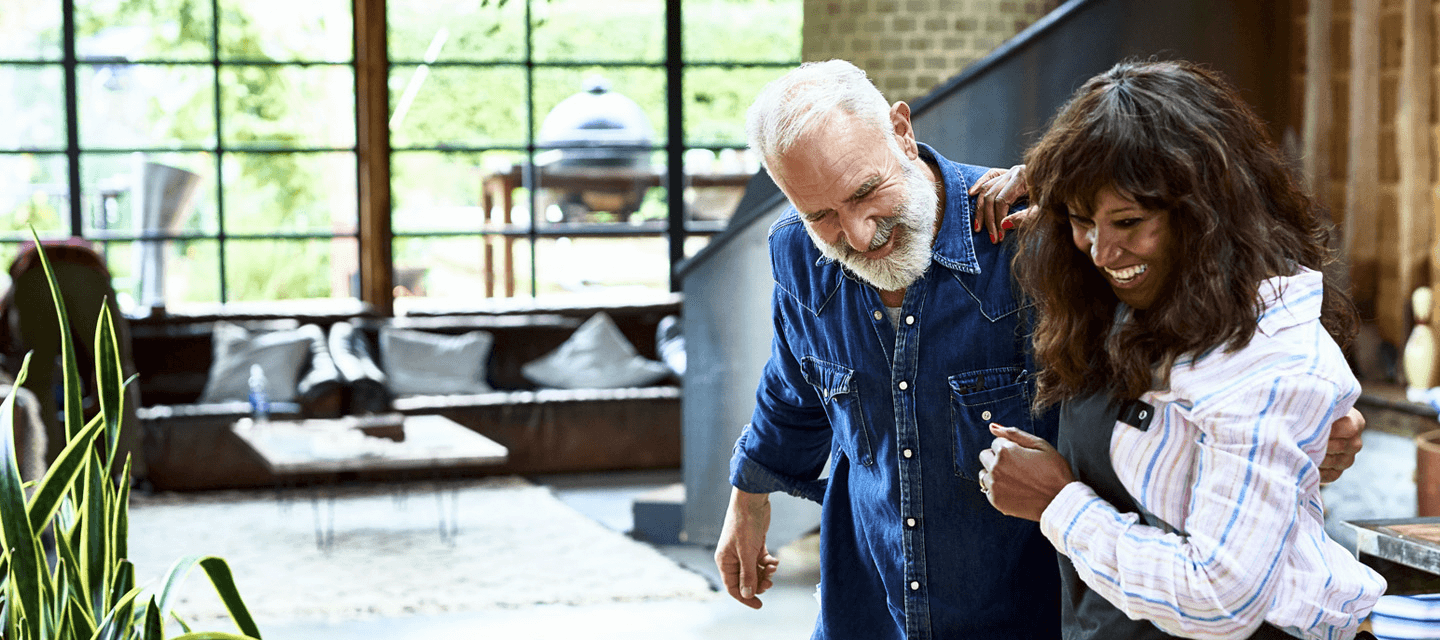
pixel 978 398
pixel 840 396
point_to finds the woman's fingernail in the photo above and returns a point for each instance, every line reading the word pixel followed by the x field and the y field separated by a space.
pixel 1007 224
pixel 993 239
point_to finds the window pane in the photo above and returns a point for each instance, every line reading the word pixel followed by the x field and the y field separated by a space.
pixel 288 106
pixel 716 100
pixel 127 106
pixel 192 272
pixel 433 191
pixel 290 192
pixel 437 106
pixel 455 30
pixel 32 104
pixel 644 86
pixel 8 251
pixel 120 259
pixel 290 269
pixel 715 181
pixel 312 30
pixel 609 264
pixel 34 192
pixel 450 267
pixel 742 30
pixel 111 183
pixel 614 30
pixel 30 30
pixel 152 30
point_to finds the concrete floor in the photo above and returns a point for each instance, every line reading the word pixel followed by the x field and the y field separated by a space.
pixel 1380 485
pixel 789 611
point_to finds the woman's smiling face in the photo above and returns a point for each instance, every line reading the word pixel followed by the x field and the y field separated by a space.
pixel 1133 247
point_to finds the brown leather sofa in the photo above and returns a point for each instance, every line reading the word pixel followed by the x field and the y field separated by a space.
pixel 189 446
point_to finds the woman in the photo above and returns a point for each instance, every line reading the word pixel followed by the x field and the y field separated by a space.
pixel 1184 325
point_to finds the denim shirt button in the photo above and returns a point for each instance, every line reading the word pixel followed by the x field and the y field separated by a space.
pixel 904 385
pixel 985 415
pixel 878 315
pixel 909 319
pixel 910 522
pixel 907 453
pixel 915 585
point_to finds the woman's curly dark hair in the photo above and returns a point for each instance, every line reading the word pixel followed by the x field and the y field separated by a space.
pixel 1175 137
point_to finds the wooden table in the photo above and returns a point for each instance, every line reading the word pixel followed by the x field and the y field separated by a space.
pixel 1406 551
pixel 291 448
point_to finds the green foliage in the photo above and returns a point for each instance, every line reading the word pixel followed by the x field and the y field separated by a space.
pixel 88 589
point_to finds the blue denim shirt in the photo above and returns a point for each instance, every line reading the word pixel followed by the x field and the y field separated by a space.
pixel 909 546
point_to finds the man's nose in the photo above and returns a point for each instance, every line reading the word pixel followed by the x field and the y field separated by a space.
pixel 857 228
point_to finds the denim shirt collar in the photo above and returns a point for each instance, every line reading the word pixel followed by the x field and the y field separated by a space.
pixel 954 246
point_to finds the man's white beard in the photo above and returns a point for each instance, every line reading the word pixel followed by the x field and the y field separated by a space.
pixel 913 226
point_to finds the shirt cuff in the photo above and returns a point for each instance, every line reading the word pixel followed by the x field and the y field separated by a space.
pixel 1064 510
pixel 752 477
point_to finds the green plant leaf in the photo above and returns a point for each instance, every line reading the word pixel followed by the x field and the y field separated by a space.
pixel 77 588
pixel 154 628
pixel 124 607
pixel 108 381
pixel 221 579
pixel 120 536
pixel 213 635
pixel 61 475
pixel 73 413
pixel 17 537
pixel 80 618
pixel 94 546
pixel 120 618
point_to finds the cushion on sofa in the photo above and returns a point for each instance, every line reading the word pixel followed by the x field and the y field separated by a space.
pixel 281 354
pixel 596 356
pixel 424 363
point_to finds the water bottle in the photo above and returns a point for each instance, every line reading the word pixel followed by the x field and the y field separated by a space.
pixel 259 399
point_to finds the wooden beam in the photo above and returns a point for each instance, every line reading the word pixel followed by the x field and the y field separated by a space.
pixel 372 144
pixel 1362 174
pixel 1315 138
pixel 1412 145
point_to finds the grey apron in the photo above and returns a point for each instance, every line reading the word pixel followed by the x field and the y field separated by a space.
pixel 1086 425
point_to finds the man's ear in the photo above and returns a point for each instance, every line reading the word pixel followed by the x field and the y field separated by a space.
pixel 904 133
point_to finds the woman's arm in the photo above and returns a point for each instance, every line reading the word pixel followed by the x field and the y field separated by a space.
pixel 1216 577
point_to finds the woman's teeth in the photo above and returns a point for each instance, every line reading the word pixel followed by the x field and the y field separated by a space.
pixel 1127 274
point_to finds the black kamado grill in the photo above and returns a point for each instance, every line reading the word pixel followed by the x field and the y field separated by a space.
pixel 596 133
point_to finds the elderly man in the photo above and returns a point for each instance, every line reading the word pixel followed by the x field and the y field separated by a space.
pixel 898 339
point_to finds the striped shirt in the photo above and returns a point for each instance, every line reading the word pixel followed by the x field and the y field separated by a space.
pixel 1230 467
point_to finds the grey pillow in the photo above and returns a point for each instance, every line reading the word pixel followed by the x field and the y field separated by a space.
pixel 420 363
pixel 596 356
pixel 281 354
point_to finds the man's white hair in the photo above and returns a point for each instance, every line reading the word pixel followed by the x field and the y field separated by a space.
pixel 789 105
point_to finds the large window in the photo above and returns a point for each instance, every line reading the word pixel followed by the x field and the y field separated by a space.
pixel 210 146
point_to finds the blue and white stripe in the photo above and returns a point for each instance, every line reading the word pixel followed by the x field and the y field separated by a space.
pixel 1232 464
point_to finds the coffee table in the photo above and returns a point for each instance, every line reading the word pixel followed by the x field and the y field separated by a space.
pixel 294 448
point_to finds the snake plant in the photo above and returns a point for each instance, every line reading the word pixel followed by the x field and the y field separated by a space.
pixel 85 587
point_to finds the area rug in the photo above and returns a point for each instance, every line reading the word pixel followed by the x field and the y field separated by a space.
pixel 513 544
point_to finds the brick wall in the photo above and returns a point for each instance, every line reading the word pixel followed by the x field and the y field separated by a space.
pixel 909 47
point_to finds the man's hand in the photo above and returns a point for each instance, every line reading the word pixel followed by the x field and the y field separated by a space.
pixel 1344 443
pixel 1022 473
pixel 745 564
pixel 997 190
